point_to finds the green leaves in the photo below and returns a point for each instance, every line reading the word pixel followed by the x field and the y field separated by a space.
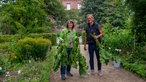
pixel 105 56
pixel 33 15
pixel 138 12
pixel 104 11
pixel 27 14
pixel 75 59
pixel 60 57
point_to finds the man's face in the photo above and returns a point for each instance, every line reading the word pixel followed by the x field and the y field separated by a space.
pixel 90 19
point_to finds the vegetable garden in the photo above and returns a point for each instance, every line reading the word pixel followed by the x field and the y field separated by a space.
pixel 28 49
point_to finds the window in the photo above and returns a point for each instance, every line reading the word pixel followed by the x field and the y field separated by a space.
pixel 79 6
pixel 68 6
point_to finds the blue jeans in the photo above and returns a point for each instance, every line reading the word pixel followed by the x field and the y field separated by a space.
pixel 91 49
pixel 67 68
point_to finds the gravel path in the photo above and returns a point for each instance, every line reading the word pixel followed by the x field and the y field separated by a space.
pixel 110 74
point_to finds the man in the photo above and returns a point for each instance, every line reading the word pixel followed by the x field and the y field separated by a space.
pixel 93 27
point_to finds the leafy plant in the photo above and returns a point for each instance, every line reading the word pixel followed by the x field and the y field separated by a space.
pixel 34 71
pixel 104 55
pixel 32 48
pixel 75 58
pixel 137 10
pixel 105 11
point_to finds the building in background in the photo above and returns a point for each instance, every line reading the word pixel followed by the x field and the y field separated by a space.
pixel 71 4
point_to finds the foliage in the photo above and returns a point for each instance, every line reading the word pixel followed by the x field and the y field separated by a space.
pixel 51 36
pixel 55 9
pixel 120 43
pixel 105 56
pixel 140 51
pixel 56 13
pixel 73 14
pixel 22 16
pixel 105 11
pixel 8 38
pixel 4 46
pixel 29 48
pixel 134 65
pixel 34 71
pixel 5 64
pixel 33 16
pixel 138 10
pixel 75 58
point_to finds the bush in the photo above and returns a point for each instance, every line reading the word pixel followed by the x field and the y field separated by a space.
pixel 122 39
pixel 39 71
pixel 7 38
pixel 28 48
pixel 50 36
pixel 5 64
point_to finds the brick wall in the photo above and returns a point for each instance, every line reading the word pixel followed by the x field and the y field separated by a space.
pixel 73 3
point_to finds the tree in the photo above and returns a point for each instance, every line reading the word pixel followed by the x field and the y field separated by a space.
pixel 55 10
pixel 22 16
pixel 105 11
pixel 138 10
pixel 29 16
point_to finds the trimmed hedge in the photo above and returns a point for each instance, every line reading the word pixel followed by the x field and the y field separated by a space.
pixel 50 36
pixel 7 38
pixel 29 48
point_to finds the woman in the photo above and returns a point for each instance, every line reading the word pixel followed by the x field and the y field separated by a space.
pixel 67 36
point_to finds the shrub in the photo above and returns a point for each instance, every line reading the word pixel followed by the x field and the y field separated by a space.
pixel 7 38
pixel 5 64
pixel 50 36
pixel 28 48
pixel 39 71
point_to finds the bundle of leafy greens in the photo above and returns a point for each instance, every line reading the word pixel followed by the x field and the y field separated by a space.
pixel 105 56
pixel 75 59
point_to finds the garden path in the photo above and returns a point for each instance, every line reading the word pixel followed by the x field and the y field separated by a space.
pixel 110 74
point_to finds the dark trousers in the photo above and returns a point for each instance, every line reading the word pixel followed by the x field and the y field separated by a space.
pixel 91 49
pixel 68 67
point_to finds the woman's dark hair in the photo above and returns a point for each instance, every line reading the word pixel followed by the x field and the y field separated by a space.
pixel 70 21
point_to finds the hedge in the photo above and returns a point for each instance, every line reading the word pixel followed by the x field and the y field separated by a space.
pixel 50 36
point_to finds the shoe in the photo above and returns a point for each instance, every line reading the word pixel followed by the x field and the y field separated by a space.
pixel 100 73
pixel 69 74
pixel 92 72
pixel 63 77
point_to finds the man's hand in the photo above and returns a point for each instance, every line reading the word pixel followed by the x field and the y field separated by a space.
pixel 96 37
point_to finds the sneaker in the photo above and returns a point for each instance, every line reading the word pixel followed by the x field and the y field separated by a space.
pixel 69 74
pixel 92 72
pixel 100 73
pixel 63 77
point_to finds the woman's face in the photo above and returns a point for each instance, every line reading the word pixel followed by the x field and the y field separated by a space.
pixel 70 25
